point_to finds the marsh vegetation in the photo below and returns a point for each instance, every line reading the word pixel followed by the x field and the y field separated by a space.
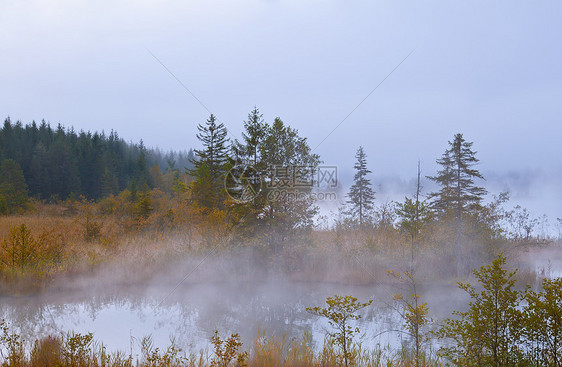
pixel 230 277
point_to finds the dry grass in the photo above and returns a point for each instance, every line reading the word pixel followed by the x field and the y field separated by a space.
pixel 77 350
pixel 76 237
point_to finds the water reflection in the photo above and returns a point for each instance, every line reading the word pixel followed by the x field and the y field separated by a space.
pixel 120 317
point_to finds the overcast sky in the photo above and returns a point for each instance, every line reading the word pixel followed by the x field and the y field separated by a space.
pixel 490 70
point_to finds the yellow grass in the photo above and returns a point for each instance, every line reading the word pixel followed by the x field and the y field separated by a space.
pixel 78 350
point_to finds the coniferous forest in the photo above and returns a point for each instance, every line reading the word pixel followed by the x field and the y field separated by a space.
pixel 58 163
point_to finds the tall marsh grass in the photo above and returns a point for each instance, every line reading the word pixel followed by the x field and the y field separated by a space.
pixel 80 350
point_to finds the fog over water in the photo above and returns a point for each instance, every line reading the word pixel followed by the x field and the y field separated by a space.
pixel 225 294
pixel 115 307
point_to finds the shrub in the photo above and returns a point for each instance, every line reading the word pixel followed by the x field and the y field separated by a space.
pixel 227 352
pixel 543 323
pixel 340 311
pixel 11 346
pixel 489 333
pixel 19 250
pixel 412 311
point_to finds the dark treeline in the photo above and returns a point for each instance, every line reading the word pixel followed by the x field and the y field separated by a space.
pixel 59 162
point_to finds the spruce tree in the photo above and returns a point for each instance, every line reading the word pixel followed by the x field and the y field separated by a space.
pixel 284 166
pixel 13 189
pixel 210 163
pixel 109 184
pixel 361 194
pixel 142 172
pixel 290 214
pixel 458 195
pixel 248 150
pixel 247 156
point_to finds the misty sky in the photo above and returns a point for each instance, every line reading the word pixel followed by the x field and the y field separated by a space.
pixel 491 70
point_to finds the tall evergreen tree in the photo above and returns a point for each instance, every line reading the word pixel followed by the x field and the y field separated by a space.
pixel 109 184
pixel 248 150
pixel 284 162
pixel 210 163
pixel 458 195
pixel 188 160
pixel 13 190
pixel 286 206
pixel 247 155
pixel 142 171
pixel 361 194
pixel 65 177
pixel 40 180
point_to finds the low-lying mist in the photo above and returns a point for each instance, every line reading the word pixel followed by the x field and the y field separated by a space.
pixel 160 289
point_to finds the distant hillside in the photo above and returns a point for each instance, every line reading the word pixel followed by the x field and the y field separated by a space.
pixel 59 162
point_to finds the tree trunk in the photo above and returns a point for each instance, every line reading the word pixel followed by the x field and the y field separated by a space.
pixel 417 214
pixel 459 223
pixel 459 247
